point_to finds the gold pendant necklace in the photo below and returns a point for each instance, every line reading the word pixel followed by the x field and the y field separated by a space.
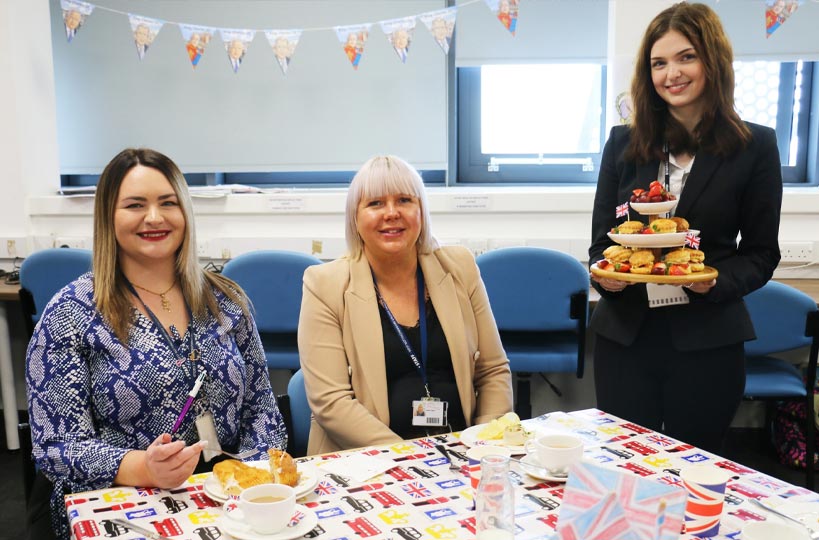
pixel 166 304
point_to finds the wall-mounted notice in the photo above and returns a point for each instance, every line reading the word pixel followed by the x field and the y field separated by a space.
pixel 470 202
pixel 286 204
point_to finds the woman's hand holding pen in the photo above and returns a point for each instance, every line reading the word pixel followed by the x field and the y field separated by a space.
pixel 169 463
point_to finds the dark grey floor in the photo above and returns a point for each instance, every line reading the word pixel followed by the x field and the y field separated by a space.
pixel 745 446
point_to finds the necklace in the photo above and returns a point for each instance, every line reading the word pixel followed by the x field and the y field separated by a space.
pixel 166 304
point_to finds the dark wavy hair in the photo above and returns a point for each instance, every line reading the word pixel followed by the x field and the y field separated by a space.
pixel 720 130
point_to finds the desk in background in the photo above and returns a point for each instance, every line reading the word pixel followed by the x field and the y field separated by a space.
pixel 8 293
pixel 422 498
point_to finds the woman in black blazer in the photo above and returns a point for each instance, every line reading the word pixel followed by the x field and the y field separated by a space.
pixel 680 368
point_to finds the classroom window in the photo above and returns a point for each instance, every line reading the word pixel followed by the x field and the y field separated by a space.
pixel 545 123
pixel 530 123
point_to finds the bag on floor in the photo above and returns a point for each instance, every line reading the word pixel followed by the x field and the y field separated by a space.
pixel 789 434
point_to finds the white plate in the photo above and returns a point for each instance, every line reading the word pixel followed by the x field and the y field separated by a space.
pixel 469 437
pixel 656 240
pixel 231 523
pixel 806 512
pixel 529 465
pixel 654 208
pixel 308 478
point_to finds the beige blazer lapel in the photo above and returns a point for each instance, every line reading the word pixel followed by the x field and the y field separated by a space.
pixel 368 363
pixel 444 297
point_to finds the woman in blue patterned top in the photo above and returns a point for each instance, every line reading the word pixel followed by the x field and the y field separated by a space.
pixel 117 351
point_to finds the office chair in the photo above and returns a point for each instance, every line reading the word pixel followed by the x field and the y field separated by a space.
pixel 540 300
pixel 273 282
pixel 300 413
pixel 784 319
pixel 42 275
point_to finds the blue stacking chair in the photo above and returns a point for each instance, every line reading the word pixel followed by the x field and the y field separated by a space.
pixel 784 319
pixel 42 275
pixel 273 282
pixel 540 300
pixel 299 413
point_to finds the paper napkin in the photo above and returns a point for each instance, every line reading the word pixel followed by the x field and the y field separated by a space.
pixel 359 467
pixel 604 504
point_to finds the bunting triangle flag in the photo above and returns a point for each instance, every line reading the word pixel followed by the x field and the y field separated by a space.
pixel 236 40
pixel 353 38
pixel 399 34
pixel 777 12
pixel 74 14
pixel 441 24
pixel 284 44
pixel 144 30
pixel 506 11
pixel 196 39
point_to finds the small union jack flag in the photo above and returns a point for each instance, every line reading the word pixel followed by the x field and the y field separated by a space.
pixel 416 490
pixel 622 210
pixel 325 488
pixel 692 240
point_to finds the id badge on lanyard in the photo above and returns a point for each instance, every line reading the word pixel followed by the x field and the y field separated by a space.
pixel 429 410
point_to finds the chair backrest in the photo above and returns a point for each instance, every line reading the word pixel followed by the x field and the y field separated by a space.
pixel 273 282
pixel 299 413
pixel 45 272
pixel 532 289
pixel 778 312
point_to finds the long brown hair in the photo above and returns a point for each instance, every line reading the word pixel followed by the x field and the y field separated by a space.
pixel 111 293
pixel 652 123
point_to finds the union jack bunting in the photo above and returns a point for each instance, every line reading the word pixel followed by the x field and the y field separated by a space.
pixel 416 490
pixel 692 240
pixel 622 210
pixel 599 503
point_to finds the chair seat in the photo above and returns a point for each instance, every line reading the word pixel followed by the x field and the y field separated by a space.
pixel 540 352
pixel 768 377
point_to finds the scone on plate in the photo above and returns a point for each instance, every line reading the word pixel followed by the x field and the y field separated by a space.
pixel 617 254
pixel 235 476
pixel 678 256
pixel 663 226
pixel 515 435
pixel 697 260
pixel 283 468
pixel 682 223
pixel 629 227
pixel 641 261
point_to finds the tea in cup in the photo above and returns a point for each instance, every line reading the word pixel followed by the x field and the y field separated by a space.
pixel 556 453
pixel 267 508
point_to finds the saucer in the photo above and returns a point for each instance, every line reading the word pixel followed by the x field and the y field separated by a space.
pixel 532 467
pixel 231 523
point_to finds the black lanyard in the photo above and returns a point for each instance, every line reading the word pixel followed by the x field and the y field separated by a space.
pixel 667 167
pixel 191 373
pixel 422 317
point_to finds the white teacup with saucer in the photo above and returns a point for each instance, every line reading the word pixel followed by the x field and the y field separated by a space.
pixel 555 453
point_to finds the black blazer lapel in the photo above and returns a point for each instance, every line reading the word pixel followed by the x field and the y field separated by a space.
pixel 705 165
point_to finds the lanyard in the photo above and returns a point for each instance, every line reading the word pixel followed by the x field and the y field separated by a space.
pixel 422 317
pixel 190 372
pixel 667 167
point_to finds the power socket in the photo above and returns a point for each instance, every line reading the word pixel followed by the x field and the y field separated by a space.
pixel 796 251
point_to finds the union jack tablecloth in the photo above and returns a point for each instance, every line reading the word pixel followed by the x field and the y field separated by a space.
pixel 422 498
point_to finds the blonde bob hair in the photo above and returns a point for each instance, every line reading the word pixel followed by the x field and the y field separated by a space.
pixel 378 177
pixel 111 293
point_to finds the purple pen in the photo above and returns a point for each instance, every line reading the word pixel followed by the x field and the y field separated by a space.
pixel 191 396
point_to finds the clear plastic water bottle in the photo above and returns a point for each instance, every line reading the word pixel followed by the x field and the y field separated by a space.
pixel 495 501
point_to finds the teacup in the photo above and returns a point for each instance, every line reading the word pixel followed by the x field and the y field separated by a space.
pixel 267 508
pixel 556 453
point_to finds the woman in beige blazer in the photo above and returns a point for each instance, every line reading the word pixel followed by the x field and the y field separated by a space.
pixel 359 372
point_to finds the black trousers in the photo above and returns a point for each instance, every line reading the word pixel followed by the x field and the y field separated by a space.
pixel 690 396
